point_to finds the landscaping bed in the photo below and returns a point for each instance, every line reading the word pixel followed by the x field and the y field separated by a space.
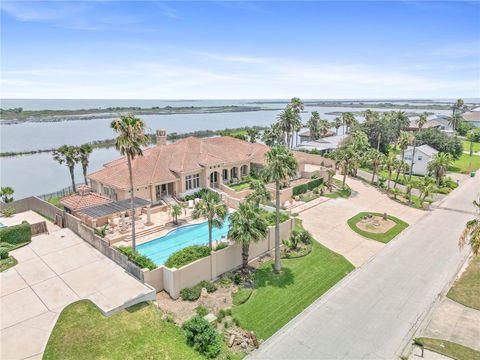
pixel 466 289
pixel 7 263
pixel 384 237
pixel 450 349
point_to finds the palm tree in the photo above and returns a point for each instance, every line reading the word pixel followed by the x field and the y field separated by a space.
pixel 404 140
pixel 337 123
pixel 439 165
pixel 343 157
pixel 130 139
pixel 287 119
pixel 68 155
pixel 348 121
pixel 247 225
pixel 426 187
pixel 297 104
pixel 175 212
pixel 459 105
pixel 371 116
pixel 455 120
pixel 84 152
pixel 6 193
pixel 280 166
pixel 323 126
pixel 313 125
pixel 422 120
pixel 376 158
pixel 260 193
pixel 409 183
pixel 390 162
pixel 252 134
pixel 211 207
pixel 471 234
pixel 273 135
pixel 330 174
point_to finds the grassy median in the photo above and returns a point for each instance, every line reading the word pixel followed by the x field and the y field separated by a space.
pixel 385 237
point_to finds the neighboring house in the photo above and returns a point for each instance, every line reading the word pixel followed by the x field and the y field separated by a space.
pixel 304 135
pixel 323 145
pixel 473 117
pixel 423 155
pixel 438 121
pixel 83 199
pixel 184 167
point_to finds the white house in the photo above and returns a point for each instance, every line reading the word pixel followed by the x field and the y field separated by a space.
pixel 423 155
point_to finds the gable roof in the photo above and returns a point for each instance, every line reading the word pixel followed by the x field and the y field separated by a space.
pixel 426 149
pixel 163 163
pixel 77 202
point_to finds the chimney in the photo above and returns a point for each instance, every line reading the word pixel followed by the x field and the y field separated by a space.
pixel 161 137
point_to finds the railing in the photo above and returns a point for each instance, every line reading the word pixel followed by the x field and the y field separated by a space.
pixel 60 193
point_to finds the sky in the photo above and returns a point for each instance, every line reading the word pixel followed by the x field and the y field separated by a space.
pixel 239 50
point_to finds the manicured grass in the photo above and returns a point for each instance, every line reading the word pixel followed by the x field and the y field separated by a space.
pixel 7 263
pixel 466 289
pixel 342 193
pixel 450 349
pixel 82 332
pixel 278 298
pixel 465 164
pixel 55 201
pixel 382 237
pixel 466 146
pixel 240 186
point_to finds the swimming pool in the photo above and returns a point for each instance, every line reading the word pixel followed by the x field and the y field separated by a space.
pixel 160 249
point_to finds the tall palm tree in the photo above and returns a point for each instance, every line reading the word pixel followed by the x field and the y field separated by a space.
pixel 247 225
pixel 375 158
pixel 426 186
pixel 330 174
pixel 337 124
pixel 458 106
pixel 287 120
pixel 252 134
pixel 280 165
pixel 455 120
pixel 68 155
pixel 348 120
pixel 343 157
pixel 471 234
pixel 260 193
pixel 323 126
pixel 6 194
pixel 422 120
pixel 84 152
pixel 175 212
pixel 273 135
pixel 439 166
pixel 313 125
pixel 297 104
pixel 211 207
pixel 390 163
pixel 403 141
pixel 130 139
pixel 371 116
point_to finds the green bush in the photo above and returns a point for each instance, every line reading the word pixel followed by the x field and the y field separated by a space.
pixel 202 336
pixel 137 258
pixel 300 189
pixel 3 253
pixel 16 234
pixel 300 236
pixel 196 195
pixel 187 255
pixel 221 245
pixel 9 211
pixel 201 310
pixel 270 217
pixel 193 293
pixel 314 184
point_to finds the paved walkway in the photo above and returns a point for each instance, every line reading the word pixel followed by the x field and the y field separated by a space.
pixel 53 271
pixel 328 221
pixel 374 311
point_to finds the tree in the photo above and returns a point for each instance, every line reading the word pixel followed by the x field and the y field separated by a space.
pixel 289 120
pixel 280 166
pixel 471 234
pixel 440 141
pixel 439 166
pixel 403 141
pixel 247 225
pixel 455 120
pixel 273 135
pixel 422 120
pixel 323 126
pixel 371 116
pixel 458 106
pixel 313 125
pixel 6 193
pixel 375 158
pixel 252 134
pixel 348 120
pixel 297 104
pixel 84 152
pixel 427 185
pixel 129 141
pixel 409 184
pixel 260 193
pixel 337 123
pixel 211 207
pixel 390 163
pixel 330 174
pixel 344 156
pixel 68 155
pixel 175 212
pixel 471 138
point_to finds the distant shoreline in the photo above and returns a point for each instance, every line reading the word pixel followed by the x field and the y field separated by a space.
pixel 18 115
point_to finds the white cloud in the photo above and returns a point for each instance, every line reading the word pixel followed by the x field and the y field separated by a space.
pixel 230 58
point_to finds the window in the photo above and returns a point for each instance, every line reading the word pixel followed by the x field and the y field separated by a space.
pixel 420 158
pixel 192 181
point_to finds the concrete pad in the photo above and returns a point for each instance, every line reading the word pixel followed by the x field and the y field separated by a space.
pixel 27 339
pixel 22 305
pixel 23 254
pixel 71 257
pixel 55 241
pixel 11 281
pixel 55 294
pixel 34 271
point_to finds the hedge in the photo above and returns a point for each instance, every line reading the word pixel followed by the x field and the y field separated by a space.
pixel 137 258
pixel 303 188
pixel 187 255
pixel 16 234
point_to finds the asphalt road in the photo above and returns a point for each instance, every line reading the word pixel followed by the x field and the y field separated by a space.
pixel 373 313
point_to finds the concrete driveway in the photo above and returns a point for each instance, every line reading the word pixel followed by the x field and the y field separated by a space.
pixel 328 221
pixel 374 312
pixel 53 271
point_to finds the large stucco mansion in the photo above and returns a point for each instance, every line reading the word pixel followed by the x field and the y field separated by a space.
pixel 184 167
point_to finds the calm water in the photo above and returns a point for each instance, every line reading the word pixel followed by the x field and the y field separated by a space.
pixel 160 249
pixel 39 174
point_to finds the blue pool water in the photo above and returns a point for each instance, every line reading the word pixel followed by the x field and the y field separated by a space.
pixel 160 249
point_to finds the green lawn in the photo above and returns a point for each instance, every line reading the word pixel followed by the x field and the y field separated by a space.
pixel 240 186
pixel 382 237
pixel 466 289
pixel 465 164
pixel 82 332
pixel 450 349
pixel 278 298
pixel 466 146
pixel 7 263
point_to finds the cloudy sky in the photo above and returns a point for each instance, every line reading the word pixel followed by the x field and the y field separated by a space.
pixel 228 50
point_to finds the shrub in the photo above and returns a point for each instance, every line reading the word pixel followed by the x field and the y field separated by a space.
pixel 187 255
pixel 193 293
pixel 8 211
pixel 202 336
pixel 300 236
pixel 16 234
pixel 221 245
pixel 196 195
pixel 137 258
pixel 3 253
pixel 300 189
pixel 441 141
pixel 201 310
pixel 314 183
pixel 270 217
pixel 101 231
pixel 221 314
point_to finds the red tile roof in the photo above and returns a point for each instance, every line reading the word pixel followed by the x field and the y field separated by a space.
pixel 77 202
